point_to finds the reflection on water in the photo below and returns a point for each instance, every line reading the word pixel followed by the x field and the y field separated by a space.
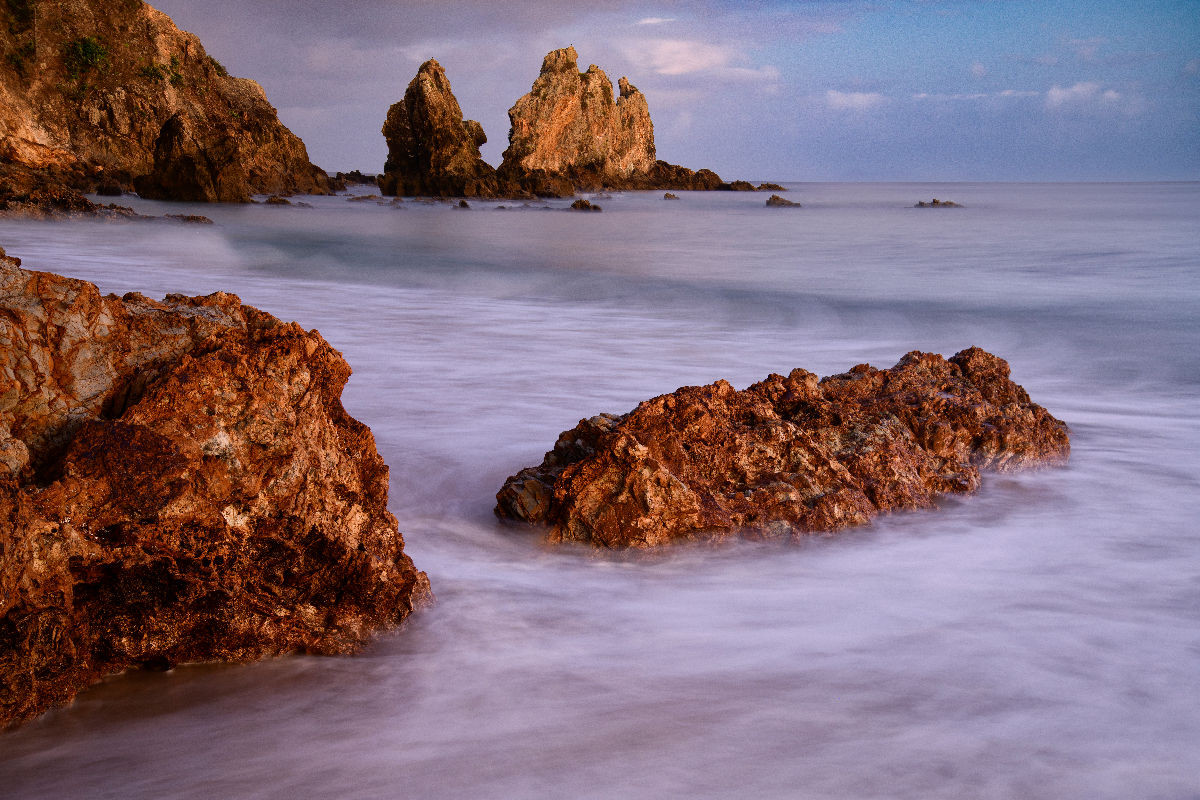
pixel 1039 639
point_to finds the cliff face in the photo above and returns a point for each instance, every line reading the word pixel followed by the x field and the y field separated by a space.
pixel 785 456
pixel 114 86
pixel 570 134
pixel 178 482
pixel 432 150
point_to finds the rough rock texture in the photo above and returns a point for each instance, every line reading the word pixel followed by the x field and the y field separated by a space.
pixel 178 482
pixel 569 134
pixel 432 150
pixel 935 203
pixel 786 456
pixel 781 202
pixel 112 90
pixel 46 194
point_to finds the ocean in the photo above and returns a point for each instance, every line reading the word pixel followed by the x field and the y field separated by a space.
pixel 1039 639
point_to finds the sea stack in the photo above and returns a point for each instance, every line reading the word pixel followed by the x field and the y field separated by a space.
pixel 432 150
pixel 110 94
pixel 786 457
pixel 178 482
pixel 569 134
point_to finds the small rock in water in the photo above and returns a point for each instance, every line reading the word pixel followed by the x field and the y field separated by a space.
pixel 669 196
pixel 775 201
pixel 584 205
pixel 935 203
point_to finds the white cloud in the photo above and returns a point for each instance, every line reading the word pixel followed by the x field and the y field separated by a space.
pixel 1046 60
pixel 655 20
pixel 978 70
pixel 1017 93
pixel 1085 91
pixel 676 57
pixel 853 101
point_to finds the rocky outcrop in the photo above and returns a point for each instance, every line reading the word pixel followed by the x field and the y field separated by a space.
pixel 775 201
pixel 787 456
pixel 432 150
pixel 178 482
pixel 935 203
pixel 113 91
pixel 28 193
pixel 569 134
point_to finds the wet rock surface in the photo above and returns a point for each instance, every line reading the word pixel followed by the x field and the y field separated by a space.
pixel 775 201
pixel 178 482
pixel 935 203
pixel 787 456
pixel 111 94
pixel 432 150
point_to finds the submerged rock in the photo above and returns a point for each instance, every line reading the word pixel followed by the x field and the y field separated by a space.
pixel 178 482
pixel 781 202
pixel 584 205
pixel 787 456
pixel 432 150
pixel 935 203
pixel 112 91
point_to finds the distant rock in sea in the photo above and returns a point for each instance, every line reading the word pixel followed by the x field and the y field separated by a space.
pixel 178 482
pixel 787 456
pixel 568 134
pixel 432 150
pixel 781 202
pixel 935 203
pixel 109 93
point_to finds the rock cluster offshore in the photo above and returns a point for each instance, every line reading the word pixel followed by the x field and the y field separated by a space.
pixel 178 482
pixel 787 456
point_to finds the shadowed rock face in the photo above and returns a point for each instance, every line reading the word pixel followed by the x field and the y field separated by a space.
pixel 432 150
pixel 112 90
pixel 570 134
pixel 178 482
pixel 787 456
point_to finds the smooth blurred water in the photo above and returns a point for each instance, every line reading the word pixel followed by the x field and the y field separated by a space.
pixel 1040 639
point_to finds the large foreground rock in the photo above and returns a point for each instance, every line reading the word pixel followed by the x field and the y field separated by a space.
pixel 112 90
pixel 178 482
pixel 432 150
pixel 786 456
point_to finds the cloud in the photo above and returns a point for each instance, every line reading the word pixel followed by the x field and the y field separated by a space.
pixel 853 101
pixel 1083 92
pixel 1192 67
pixel 1046 60
pixel 679 57
pixel 1086 49
pixel 978 70
pixel 655 20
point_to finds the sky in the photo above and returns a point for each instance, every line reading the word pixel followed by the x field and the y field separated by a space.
pixel 827 90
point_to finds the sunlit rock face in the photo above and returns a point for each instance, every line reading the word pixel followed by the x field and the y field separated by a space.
pixel 432 150
pixel 787 456
pixel 178 482
pixel 569 133
pixel 110 92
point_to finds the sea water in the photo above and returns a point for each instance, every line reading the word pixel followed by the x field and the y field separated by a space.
pixel 1039 639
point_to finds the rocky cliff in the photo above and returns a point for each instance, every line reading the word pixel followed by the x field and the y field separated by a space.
pixel 113 91
pixel 178 482
pixel 569 133
pixel 786 456
pixel 432 150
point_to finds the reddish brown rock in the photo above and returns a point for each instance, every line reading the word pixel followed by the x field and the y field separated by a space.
pixel 432 150
pixel 178 482
pixel 787 456
pixel 569 134
pixel 111 89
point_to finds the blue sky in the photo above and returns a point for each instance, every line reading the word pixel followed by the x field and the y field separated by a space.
pixel 882 90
